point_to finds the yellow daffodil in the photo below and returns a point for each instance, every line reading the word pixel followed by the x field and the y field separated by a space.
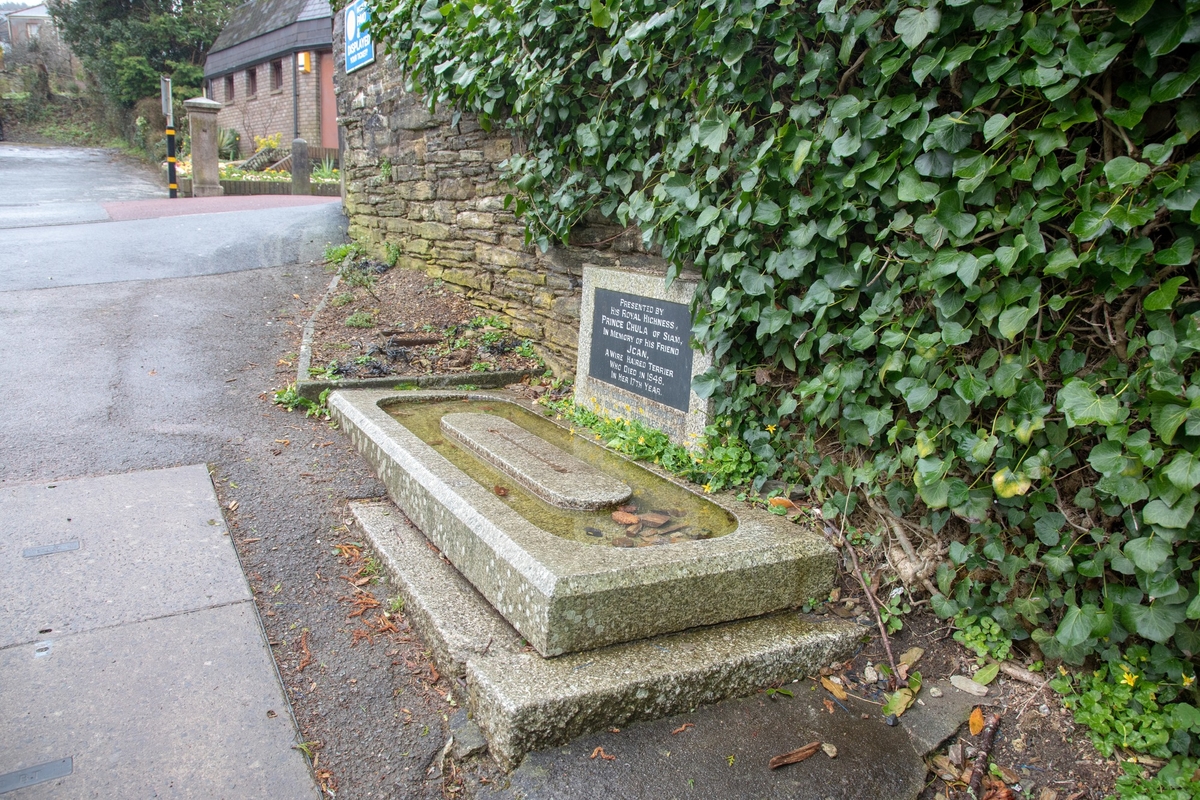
pixel 770 429
pixel 1128 677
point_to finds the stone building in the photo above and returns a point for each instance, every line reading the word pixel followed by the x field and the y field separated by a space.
pixel 272 69
pixel 429 187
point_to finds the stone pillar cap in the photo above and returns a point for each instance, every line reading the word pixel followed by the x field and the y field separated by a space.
pixel 202 104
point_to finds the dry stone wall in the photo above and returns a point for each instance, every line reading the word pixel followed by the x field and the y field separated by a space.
pixel 428 187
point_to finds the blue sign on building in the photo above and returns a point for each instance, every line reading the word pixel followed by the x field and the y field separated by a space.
pixel 360 50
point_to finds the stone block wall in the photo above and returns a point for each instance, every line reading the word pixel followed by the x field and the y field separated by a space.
pixel 269 111
pixel 419 184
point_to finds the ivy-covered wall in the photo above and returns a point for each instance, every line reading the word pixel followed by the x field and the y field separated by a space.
pixel 428 185
pixel 956 238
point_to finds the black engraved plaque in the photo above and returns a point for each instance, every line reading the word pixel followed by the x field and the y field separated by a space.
pixel 641 345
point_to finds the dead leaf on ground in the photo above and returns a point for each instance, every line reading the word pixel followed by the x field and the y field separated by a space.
pixel 944 768
pixel 976 721
pixel 834 689
pixel 349 550
pixel 362 602
pixel 828 705
pixel 795 756
pixel 682 728
pixel 500 491
pixel 912 655
pixel 599 751
pixel 305 654
pixel 782 502
pixel 998 791
pixel 829 750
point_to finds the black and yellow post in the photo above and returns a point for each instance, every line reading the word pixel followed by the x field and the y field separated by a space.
pixel 168 109
pixel 172 184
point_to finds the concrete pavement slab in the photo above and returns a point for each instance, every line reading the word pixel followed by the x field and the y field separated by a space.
pixel 186 706
pixel 145 545
pixel 724 752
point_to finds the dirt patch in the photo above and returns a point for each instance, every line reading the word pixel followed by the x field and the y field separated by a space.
pixel 383 322
pixel 1038 751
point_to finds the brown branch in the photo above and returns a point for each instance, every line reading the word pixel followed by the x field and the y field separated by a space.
pixel 986 739
pixel 887 647
pixel 849 73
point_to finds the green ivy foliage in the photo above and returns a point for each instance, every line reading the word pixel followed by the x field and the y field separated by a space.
pixel 960 234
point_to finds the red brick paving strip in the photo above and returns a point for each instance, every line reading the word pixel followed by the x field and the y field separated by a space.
pixel 165 207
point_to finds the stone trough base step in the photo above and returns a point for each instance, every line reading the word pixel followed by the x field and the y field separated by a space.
pixel 524 702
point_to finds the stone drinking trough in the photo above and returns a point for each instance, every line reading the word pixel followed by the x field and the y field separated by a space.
pixel 564 596
pixel 621 632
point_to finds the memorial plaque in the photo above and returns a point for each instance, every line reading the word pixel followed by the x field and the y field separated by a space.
pixel 636 359
pixel 641 345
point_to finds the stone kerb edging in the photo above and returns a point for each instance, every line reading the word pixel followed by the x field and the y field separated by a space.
pixel 311 389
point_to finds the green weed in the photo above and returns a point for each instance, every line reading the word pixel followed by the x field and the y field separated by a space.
pixel 360 319
pixel 342 300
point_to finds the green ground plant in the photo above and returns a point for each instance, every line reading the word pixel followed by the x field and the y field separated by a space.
pixel 291 400
pixel 360 319
pixel 343 299
pixel 336 254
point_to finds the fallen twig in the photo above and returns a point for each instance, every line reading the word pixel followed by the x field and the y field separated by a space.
pixel 1022 674
pixel 796 756
pixel 986 739
pixel 887 647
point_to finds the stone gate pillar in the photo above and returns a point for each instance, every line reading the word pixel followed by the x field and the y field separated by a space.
pixel 202 127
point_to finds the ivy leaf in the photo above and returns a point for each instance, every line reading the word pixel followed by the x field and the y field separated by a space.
pixel 1178 254
pixel 1164 30
pixel 1090 224
pixel 714 132
pixel 1157 512
pixel 1166 418
pixel 1076 626
pixel 1082 406
pixel 1163 297
pixel 914 25
pixel 1130 11
pixel 1014 320
pixel 996 125
pixel 754 282
pixel 706 384
pixel 802 150
pixel 707 216
pixel 912 189
pixel 1124 171
pixel 1155 622
pixel 1006 484
pixel 1088 59
pixel 767 212
pixel 1174 84
pixel 601 16
pixel 1148 552
pixel 916 393
pixel 1184 471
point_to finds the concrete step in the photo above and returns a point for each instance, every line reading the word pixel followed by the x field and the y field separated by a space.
pixel 524 702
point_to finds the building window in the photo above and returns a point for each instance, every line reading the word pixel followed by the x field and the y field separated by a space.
pixel 251 82
pixel 31 30
pixel 228 88
pixel 277 76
